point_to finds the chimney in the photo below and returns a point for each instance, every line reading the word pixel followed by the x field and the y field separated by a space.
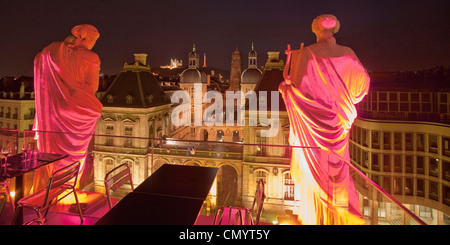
pixel 274 56
pixel 141 59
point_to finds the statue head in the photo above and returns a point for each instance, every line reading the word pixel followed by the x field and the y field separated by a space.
pixel 85 35
pixel 325 26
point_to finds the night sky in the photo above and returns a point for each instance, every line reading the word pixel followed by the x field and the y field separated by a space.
pixel 386 35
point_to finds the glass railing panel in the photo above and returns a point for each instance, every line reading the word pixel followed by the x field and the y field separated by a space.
pixel 377 206
pixel 9 138
pixel 240 166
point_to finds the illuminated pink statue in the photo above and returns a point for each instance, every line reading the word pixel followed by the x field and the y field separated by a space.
pixel 323 82
pixel 66 77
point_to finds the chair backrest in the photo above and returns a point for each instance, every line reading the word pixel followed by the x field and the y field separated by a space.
pixel 115 178
pixel 4 195
pixel 258 200
pixel 229 216
pixel 3 199
pixel 66 176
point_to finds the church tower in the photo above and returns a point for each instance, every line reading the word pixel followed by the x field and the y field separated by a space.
pixel 236 70
pixel 251 76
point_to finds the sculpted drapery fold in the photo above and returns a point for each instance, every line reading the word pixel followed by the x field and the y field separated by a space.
pixel 66 77
pixel 324 83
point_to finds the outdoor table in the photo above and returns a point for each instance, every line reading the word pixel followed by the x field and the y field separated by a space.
pixel 138 208
pixel 16 169
pixel 173 195
pixel 180 180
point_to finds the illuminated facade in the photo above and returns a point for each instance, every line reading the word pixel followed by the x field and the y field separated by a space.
pixel 401 141
pixel 134 105
pixel 17 107
pixel 240 167
pixel 174 63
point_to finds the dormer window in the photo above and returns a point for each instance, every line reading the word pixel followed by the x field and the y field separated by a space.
pixel 150 98
pixel 109 99
pixel 129 99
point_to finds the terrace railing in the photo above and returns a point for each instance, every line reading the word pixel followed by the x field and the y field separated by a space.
pixel 241 165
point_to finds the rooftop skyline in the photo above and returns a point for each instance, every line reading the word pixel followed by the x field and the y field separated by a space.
pixel 386 35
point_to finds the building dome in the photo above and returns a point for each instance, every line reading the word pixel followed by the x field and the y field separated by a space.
pixel 193 55
pixel 193 76
pixel 251 76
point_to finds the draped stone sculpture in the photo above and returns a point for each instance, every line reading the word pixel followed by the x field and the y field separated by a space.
pixel 323 82
pixel 66 77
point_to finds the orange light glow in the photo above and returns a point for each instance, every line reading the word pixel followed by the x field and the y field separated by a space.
pixel 89 198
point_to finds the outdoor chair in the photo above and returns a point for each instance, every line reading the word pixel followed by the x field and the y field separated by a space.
pixel 115 178
pixel 60 184
pixel 231 215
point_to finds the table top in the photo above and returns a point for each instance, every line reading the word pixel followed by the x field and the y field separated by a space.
pixel 173 195
pixel 16 167
pixel 139 208
pixel 180 180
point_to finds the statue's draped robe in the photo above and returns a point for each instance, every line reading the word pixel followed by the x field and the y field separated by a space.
pixel 320 96
pixel 65 81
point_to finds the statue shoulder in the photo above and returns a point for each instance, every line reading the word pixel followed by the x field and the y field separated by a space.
pixel 346 50
pixel 89 56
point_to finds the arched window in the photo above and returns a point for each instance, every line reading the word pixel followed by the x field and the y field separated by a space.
pixel 236 136
pixel 109 164
pixel 220 135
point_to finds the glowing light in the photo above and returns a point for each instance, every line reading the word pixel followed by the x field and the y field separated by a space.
pixel 12 193
pixel 213 190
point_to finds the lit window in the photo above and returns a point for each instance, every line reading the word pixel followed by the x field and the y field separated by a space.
pixel 288 187
pixel 261 175
pixel 433 143
pixel 129 133
pixel 109 131
pixel 420 143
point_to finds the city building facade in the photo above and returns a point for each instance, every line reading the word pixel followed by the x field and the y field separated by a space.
pixel 401 140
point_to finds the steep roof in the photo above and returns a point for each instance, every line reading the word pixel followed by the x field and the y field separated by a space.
pixel 269 82
pixel 135 88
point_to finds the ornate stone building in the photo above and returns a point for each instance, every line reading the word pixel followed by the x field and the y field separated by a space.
pixel 17 109
pixel 135 108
